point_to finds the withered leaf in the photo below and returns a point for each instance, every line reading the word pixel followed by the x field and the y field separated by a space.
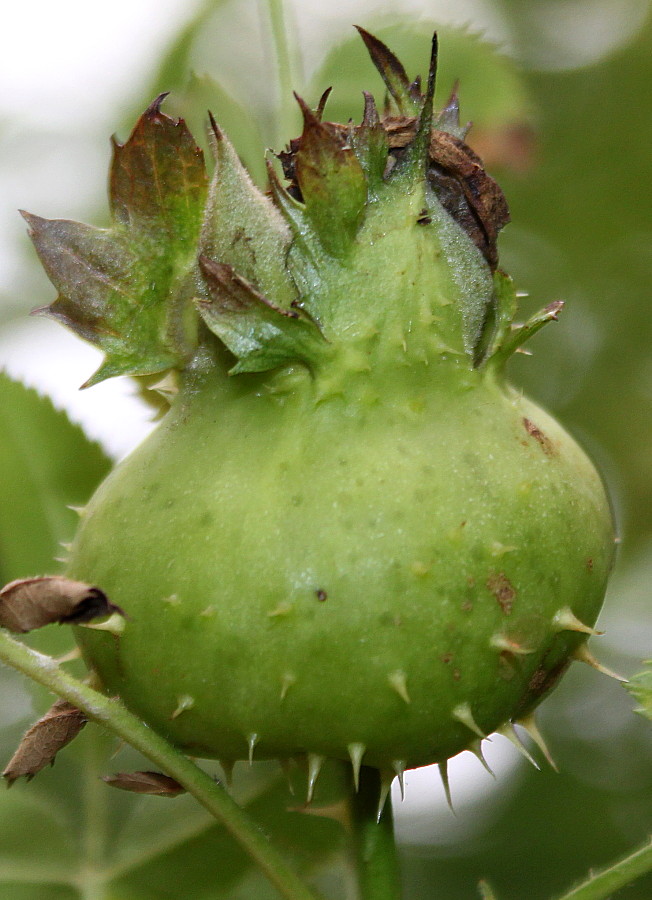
pixel 31 603
pixel 41 743
pixel 145 783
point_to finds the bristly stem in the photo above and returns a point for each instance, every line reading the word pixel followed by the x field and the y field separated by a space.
pixel 373 840
pixel 601 885
pixel 286 112
pixel 112 715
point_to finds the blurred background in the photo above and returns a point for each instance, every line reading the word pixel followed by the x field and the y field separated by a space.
pixel 558 91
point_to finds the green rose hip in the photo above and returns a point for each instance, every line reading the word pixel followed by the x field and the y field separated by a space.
pixel 349 537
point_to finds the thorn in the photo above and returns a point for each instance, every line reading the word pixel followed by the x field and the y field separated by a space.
pixel 399 767
pixel 185 702
pixel 315 762
pixel 227 768
pixel 80 510
pixel 168 386
pixel 65 545
pixel 208 612
pixel 464 715
pixel 286 767
pixel 508 731
pixel 356 752
pixel 583 654
pixel 338 812
pixel 398 682
pixel 173 600
pixel 443 773
pixel 287 681
pixel 115 624
pixel 284 608
pixel 252 740
pixel 504 644
pixel 528 723
pixel 75 653
pixel 386 778
pixel 476 750
pixel 566 620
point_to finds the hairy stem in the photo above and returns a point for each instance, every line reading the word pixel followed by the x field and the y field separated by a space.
pixel 602 885
pixel 112 715
pixel 373 841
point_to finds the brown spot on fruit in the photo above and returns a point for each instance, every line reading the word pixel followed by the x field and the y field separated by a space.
pixel 589 565
pixel 503 590
pixel 321 595
pixel 538 435
pixel 541 682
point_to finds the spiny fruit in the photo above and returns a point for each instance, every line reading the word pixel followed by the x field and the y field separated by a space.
pixel 349 537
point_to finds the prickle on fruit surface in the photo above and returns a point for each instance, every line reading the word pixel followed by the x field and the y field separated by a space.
pixel 348 537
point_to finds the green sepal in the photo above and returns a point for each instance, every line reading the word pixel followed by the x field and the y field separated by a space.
pixel 640 686
pixel 332 183
pixel 509 337
pixel 414 164
pixel 127 289
pixel 406 95
pixel 242 228
pixel 259 333
pixel 370 145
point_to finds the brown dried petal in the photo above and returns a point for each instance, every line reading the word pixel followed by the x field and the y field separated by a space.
pixel 31 603
pixel 145 783
pixel 41 743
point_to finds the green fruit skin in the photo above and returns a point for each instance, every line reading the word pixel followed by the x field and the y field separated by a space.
pixel 302 572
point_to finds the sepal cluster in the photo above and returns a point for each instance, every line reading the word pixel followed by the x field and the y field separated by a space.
pixel 384 237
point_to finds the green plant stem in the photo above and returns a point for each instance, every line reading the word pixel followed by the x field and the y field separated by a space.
pixel 285 117
pixel 603 884
pixel 373 841
pixel 111 714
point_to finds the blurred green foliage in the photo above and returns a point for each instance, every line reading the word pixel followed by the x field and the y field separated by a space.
pixel 571 150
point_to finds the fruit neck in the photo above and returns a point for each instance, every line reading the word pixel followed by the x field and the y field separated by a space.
pixel 413 290
pixel 352 380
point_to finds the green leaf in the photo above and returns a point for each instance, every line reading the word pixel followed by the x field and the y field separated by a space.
pixel 332 183
pixel 47 465
pixel 127 289
pixel 640 686
pixel 263 336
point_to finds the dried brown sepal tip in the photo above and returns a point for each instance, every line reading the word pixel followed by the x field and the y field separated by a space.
pixel 31 603
pixel 145 783
pixel 454 171
pixel 41 743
